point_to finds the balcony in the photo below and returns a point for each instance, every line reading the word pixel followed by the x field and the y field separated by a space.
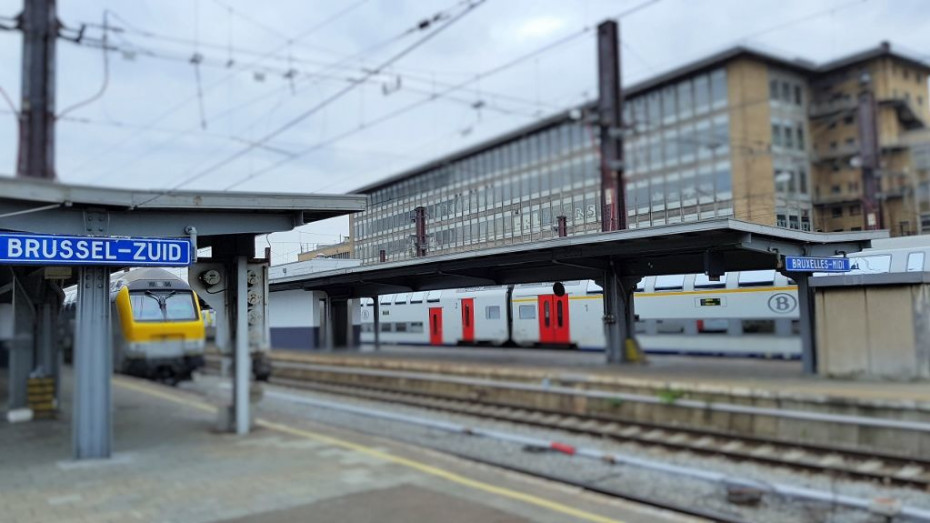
pixel 843 197
pixel 841 151
pixel 910 118
pixel 821 109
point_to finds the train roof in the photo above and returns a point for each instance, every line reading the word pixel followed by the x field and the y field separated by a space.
pixel 152 278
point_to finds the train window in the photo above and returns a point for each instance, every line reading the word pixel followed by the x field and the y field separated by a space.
pixel 163 306
pixel 387 326
pixel 386 299
pixel 400 299
pixel 527 312
pixel 703 281
pixel 492 312
pixel 400 327
pixel 915 262
pixel 670 282
pixel 871 264
pixel 417 297
pixel 416 326
pixel 433 296
pixel 753 278
pixel 144 307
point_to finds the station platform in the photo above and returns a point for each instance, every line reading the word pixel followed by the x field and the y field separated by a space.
pixel 731 376
pixel 170 465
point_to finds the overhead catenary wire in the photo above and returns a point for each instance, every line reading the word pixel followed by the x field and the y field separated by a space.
pixel 469 7
pixel 106 72
pixel 174 108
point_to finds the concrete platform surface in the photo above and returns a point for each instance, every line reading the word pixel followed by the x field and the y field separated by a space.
pixel 723 375
pixel 170 466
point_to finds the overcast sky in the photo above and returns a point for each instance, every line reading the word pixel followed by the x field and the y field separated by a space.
pixel 146 130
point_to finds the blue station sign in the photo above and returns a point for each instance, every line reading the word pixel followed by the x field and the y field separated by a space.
pixel 808 264
pixel 42 249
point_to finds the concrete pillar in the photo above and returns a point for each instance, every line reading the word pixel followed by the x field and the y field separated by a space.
pixel 808 327
pixel 243 361
pixel 93 365
pixel 619 317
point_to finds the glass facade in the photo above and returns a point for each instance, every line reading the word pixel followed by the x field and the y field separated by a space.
pixel 788 106
pixel 677 153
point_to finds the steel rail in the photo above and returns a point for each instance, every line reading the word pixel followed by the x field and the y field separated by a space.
pixel 782 489
pixel 732 408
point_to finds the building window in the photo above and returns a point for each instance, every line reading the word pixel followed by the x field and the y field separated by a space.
pixel 837 212
pixel 797 95
pixel 853 187
pixel 785 92
pixel 701 93
pixel 850 142
pixel 835 189
pixel 801 137
pixel 684 99
pixel 776 135
pixel 855 210
pixel 773 90
pixel 718 87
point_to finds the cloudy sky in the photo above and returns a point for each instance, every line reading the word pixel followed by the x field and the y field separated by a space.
pixel 266 68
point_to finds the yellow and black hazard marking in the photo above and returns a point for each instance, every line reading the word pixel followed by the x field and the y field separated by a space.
pixel 40 397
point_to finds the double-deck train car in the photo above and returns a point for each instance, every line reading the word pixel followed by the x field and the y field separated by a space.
pixel 747 313
pixel 158 329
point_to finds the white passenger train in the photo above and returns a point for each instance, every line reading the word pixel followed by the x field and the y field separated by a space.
pixel 748 313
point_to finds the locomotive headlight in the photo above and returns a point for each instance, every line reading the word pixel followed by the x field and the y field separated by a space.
pixel 211 277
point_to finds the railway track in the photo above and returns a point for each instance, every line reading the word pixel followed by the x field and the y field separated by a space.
pixel 887 469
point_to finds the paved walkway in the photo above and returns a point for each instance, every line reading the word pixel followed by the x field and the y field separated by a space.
pixel 169 466
pixel 746 375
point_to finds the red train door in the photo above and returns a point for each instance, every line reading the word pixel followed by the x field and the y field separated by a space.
pixel 435 326
pixel 468 319
pixel 553 319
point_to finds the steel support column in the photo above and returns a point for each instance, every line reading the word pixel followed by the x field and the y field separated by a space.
pixel 93 365
pixel 45 348
pixel 807 323
pixel 242 359
pixel 376 310
pixel 619 316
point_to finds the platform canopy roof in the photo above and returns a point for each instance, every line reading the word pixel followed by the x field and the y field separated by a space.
pixel 43 207
pixel 671 249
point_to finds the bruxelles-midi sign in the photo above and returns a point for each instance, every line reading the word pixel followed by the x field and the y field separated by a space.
pixel 809 264
pixel 41 249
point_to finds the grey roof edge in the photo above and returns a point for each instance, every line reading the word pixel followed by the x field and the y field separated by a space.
pixel 707 62
pixel 867 280
pixel 720 224
pixel 44 191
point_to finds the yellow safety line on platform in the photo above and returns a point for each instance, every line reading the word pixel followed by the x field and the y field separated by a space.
pixel 413 464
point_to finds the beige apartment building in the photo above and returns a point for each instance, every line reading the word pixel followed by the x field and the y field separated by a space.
pixel 741 133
